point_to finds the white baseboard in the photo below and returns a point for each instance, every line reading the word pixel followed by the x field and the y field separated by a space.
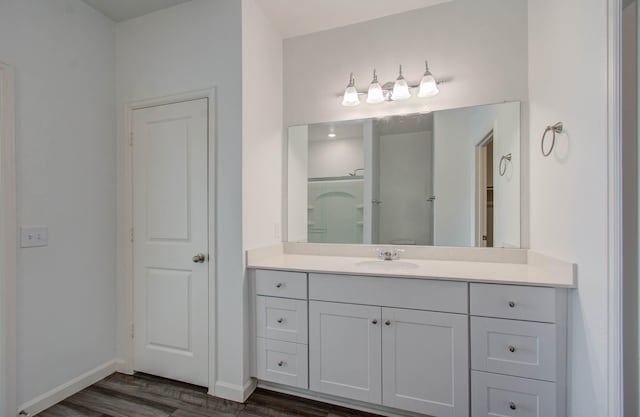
pixel 234 392
pixel 67 389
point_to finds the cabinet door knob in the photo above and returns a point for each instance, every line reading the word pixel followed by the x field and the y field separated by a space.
pixel 374 321
pixel 513 405
pixel 512 348
pixel 388 322
pixel 512 304
pixel 199 258
pixel 281 364
pixel 279 285
pixel 280 320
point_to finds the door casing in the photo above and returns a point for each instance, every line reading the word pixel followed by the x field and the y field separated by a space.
pixel 125 225
pixel 8 243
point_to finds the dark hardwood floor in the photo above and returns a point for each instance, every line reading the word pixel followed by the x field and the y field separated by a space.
pixel 144 395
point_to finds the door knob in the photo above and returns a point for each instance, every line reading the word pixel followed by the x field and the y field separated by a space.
pixel 200 258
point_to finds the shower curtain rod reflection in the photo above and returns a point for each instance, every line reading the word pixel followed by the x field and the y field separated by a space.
pixel 345 178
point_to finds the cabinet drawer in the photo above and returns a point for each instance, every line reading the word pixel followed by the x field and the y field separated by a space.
pixel 282 362
pixel 513 302
pixel 281 319
pixel 418 294
pixel 499 395
pixel 281 284
pixel 511 347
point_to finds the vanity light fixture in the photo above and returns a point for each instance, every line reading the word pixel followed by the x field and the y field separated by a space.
pixel 400 88
pixel 375 94
pixel 428 84
pixel 350 98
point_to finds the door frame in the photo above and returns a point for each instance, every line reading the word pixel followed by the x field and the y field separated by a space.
pixel 481 185
pixel 615 374
pixel 125 227
pixel 8 244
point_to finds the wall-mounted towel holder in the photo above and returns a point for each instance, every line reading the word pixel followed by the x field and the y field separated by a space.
pixel 504 160
pixel 555 129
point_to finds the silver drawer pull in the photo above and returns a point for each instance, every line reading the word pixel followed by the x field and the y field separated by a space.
pixel 512 304
pixel 512 349
pixel 279 285
pixel 513 405
pixel 282 363
pixel 280 320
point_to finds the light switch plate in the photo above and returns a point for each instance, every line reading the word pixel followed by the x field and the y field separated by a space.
pixel 34 236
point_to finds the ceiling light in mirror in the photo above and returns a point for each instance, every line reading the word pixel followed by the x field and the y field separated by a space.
pixel 400 88
pixel 375 94
pixel 428 84
pixel 350 97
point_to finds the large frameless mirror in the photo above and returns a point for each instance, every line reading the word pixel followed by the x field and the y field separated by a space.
pixel 447 178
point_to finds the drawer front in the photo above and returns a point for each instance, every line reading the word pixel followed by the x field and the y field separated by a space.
pixel 513 302
pixel 281 284
pixel 282 362
pixel 281 319
pixel 507 396
pixel 419 294
pixel 525 349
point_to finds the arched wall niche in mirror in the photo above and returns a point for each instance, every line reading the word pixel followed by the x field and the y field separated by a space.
pixel 440 178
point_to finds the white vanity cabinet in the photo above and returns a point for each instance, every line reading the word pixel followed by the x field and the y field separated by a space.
pixel 281 350
pixel 423 346
pixel 345 350
pixel 518 350
pixel 399 342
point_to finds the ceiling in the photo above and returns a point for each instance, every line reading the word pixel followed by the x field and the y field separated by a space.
pixel 343 130
pixel 301 17
pixel 120 10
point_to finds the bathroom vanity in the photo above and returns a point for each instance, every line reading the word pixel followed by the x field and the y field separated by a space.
pixel 429 334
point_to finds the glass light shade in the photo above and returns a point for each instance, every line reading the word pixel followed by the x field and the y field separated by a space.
pixel 350 98
pixel 428 86
pixel 375 94
pixel 400 90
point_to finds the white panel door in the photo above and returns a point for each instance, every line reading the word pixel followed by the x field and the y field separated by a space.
pixel 425 362
pixel 345 351
pixel 171 227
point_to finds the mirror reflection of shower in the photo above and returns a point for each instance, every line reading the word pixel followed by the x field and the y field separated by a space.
pixel 417 179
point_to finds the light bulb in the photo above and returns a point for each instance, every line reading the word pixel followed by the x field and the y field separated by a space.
pixel 400 88
pixel 428 84
pixel 375 94
pixel 350 98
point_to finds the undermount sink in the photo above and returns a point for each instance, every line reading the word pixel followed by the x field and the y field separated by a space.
pixel 387 265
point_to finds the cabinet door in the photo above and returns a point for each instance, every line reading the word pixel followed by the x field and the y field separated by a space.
pixel 344 350
pixel 425 362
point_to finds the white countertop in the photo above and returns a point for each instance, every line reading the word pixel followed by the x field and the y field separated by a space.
pixel 535 269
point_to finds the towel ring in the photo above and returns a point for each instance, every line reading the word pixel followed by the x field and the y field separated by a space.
pixel 556 128
pixel 503 164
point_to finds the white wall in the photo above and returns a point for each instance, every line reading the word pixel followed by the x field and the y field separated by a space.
pixel 335 158
pixel 297 183
pixel 193 46
pixel 456 134
pixel 569 189
pixel 453 179
pixel 63 52
pixel 262 135
pixel 482 44
pixel 262 150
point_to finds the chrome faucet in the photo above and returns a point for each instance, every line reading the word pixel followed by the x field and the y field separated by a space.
pixel 389 254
